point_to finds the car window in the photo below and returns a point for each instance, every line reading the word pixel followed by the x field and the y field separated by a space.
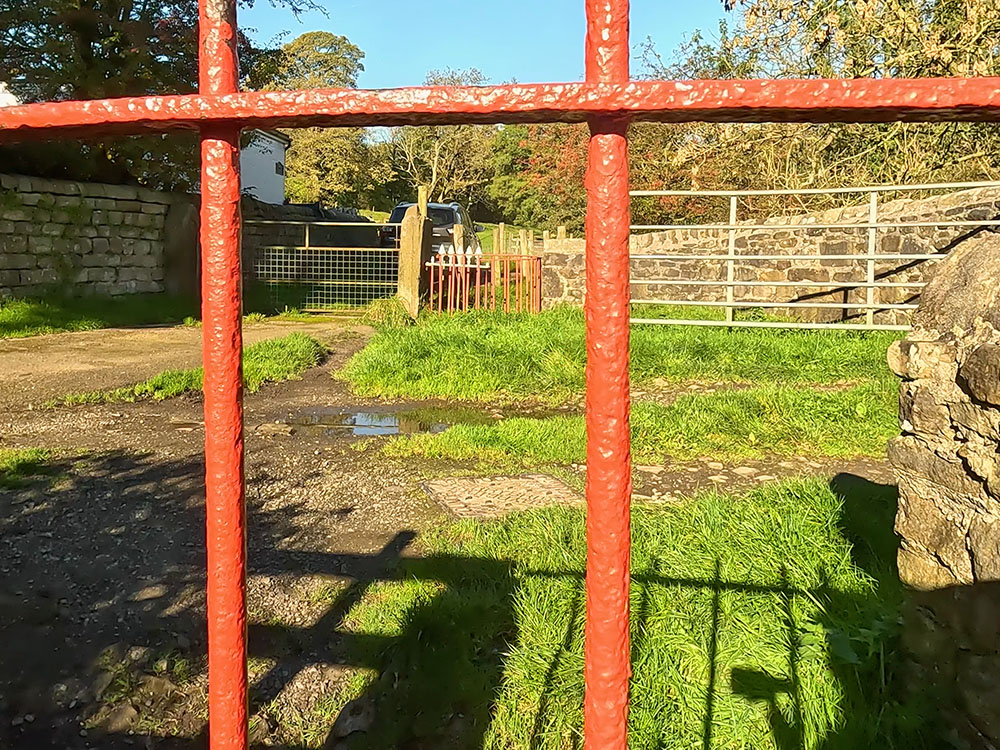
pixel 396 217
pixel 442 217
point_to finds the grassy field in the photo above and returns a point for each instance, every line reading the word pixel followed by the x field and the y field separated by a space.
pixel 750 423
pixel 484 356
pixel 764 622
pixel 268 361
pixel 22 318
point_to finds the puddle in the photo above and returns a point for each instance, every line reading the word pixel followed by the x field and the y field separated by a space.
pixel 374 423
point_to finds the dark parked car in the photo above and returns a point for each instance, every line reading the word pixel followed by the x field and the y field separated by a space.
pixel 444 217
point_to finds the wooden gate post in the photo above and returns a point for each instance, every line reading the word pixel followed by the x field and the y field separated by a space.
pixel 413 285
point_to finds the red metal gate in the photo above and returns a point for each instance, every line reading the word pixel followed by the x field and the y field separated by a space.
pixel 509 283
pixel 608 100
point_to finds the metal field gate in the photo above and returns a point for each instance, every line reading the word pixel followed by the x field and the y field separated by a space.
pixel 314 266
pixel 861 270
pixel 608 100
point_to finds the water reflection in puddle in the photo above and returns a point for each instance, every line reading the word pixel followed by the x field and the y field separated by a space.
pixel 372 423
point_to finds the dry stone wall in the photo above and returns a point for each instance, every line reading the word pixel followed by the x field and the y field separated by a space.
pixel 563 264
pixel 947 461
pixel 81 238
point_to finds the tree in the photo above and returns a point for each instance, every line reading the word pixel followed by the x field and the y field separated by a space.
pixel 333 166
pixel 336 168
pixel 453 160
pixel 836 38
pixel 318 60
pixel 87 49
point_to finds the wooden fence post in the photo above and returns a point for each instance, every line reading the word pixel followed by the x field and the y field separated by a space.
pixel 522 237
pixel 413 285
pixel 561 232
pixel 502 247
pixel 422 197
pixel 458 238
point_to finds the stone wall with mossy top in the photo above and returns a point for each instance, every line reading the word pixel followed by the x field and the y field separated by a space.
pixel 78 238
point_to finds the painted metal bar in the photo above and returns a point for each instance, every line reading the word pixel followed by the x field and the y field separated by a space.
pixel 325 248
pixel 805 284
pixel 803 226
pixel 748 257
pixel 769 324
pixel 607 666
pixel 369 224
pixel 222 350
pixel 790 303
pixel 331 282
pixel 824 191
pixel 872 252
pixel 731 259
pixel 812 100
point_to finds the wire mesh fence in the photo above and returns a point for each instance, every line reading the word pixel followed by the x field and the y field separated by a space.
pixel 315 266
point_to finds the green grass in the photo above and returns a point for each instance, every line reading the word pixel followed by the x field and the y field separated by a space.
pixel 268 361
pixel 22 318
pixel 17 465
pixel 769 420
pixel 485 356
pixel 764 622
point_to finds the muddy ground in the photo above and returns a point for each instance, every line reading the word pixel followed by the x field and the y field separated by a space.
pixel 102 567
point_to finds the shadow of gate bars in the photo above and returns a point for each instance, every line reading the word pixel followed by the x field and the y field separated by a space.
pixel 608 100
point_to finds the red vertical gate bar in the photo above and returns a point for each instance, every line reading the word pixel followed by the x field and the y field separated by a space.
pixel 222 349
pixel 609 489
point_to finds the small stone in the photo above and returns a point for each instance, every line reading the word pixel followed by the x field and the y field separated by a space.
pixel 156 687
pixel 765 478
pixel 155 591
pixel 356 716
pixel 650 469
pixel 120 719
pixel 744 471
pixel 718 478
pixel 101 683
pixel 17 721
pixel 715 465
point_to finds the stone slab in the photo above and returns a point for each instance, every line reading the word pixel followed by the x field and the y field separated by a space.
pixel 486 497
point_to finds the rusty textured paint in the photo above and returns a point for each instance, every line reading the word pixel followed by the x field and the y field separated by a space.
pixel 856 100
pixel 222 346
pixel 609 474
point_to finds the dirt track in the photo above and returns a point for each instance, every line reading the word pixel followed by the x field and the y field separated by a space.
pixel 35 370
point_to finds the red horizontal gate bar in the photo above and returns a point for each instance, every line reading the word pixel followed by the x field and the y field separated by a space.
pixel 856 100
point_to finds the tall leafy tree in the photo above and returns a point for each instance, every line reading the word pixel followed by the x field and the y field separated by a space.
pixel 87 49
pixel 333 166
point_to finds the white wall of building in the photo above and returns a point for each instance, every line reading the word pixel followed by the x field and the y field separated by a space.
pixel 262 167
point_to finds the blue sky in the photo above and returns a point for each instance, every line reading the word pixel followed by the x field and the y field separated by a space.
pixel 523 40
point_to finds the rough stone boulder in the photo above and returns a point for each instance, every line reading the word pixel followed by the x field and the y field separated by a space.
pixel 946 462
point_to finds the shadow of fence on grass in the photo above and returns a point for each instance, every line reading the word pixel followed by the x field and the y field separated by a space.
pixel 115 554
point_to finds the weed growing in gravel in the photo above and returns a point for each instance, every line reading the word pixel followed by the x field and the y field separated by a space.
pixel 270 361
pixel 773 420
pixel 17 465
pixel 764 621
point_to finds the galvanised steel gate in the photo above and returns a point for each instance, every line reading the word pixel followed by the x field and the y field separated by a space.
pixel 730 282
pixel 608 101
pixel 316 266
